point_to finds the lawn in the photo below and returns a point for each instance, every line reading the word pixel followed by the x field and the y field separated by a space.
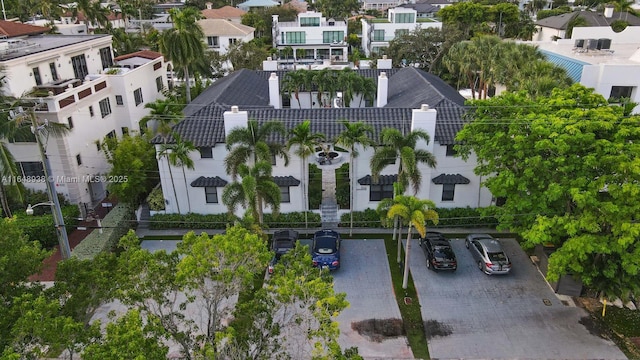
pixel 623 321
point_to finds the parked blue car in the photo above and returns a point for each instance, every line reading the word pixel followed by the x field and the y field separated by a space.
pixel 325 249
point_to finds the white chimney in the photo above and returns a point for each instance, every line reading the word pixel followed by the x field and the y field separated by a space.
pixel 608 11
pixel 274 91
pixel 384 63
pixel 425 119
pixel 209 5
pixel 383 90
pixel 234 119
pixel 270 64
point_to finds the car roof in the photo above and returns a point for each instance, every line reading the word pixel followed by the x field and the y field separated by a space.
pixel 491 245
pixel 440 242
pixel 332 233
pixel 285 235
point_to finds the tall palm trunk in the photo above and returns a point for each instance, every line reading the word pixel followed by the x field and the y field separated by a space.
pixel 187 84
pixel 405 278
pixel 173 185
pixel 184 176
pixel 5 203
pixel 351 190
pixel 305 202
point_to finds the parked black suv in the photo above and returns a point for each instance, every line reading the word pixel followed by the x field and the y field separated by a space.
pixel 282 242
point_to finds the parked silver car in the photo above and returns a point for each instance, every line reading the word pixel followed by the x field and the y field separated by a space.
pixel 488 254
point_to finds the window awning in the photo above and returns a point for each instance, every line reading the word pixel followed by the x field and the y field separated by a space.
pixel 450 179
pixel 203 181
pixel 382 180
pixel 286 181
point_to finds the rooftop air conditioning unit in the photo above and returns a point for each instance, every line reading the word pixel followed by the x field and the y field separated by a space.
pixel 579 43
pixel 592 44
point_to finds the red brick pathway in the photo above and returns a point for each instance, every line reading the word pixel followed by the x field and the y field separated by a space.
pixel 50 264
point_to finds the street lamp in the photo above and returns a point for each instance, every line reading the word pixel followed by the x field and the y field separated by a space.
pixel 30 207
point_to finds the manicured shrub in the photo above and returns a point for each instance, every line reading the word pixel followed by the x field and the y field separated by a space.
pixel 449 217
pixel 315 187
pixel 342 186
pixel 292 220
pixel 367 218
pixel 41 228
pixel 192 221
pixel 114 226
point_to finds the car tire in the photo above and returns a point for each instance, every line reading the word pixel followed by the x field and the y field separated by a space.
pixel 428 264
pixel 480 266
pixel 466 243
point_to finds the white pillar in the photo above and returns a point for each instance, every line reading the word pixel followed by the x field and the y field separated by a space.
pixel 384 63
pixel 234 119
pixel 383 89
pixel 274 91
pixel 270 64
pixel 425 119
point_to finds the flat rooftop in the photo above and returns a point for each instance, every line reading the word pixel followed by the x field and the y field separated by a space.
pixel 16 48
pixel 619 54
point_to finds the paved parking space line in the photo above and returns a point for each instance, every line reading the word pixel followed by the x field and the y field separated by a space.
pixel 501 316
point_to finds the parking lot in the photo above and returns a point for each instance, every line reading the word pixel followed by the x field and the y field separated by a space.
pixel 364 276
pixel 473 315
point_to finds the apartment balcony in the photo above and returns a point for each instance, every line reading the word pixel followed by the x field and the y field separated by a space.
pixel 54 96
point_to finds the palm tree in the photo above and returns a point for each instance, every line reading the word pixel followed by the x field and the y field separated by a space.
pixel 354 134
pixel 395 145
pixel 306 143
pixel 368 90
pixel 257 187
pixel 293 82
pixel 252 144
pixel 415 213
pixel 164 114
pixel 165 152
pixel 179 156
pixel 183 44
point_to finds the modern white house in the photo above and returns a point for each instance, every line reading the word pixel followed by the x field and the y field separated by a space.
pixel 219 34
pixel 311 37
pixel 407 99
pixel 74 80
pixel 599 58
pixel 377 33
pixel 555 27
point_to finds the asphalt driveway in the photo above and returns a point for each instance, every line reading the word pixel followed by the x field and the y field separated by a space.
pixel 473 315
pixel 364 276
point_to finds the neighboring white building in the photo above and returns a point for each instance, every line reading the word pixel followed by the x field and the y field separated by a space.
pixel 377 33
pixel 601 59
pixel 312 37
pixel 555 27
pixel 69 77
pixel 219 34
pixel 406 99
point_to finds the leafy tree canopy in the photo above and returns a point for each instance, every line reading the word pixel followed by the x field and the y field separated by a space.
pixel 567 165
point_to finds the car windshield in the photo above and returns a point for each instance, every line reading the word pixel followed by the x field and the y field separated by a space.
pixel 325 245
pixel 497 256
pixel 443 252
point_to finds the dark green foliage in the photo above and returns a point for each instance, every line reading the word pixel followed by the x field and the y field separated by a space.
pixel 41 228
pixel 342 186
pixel 449 217
pixel 116 224
pixel 191 221
pixel 315 187
pixel 292 219
pixel 619 25
pixel 221 221
pixel 548 13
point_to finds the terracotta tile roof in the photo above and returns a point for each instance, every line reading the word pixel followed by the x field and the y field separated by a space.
pixel 225 12
pixel 147 54
pixel 223 27
pixel 12 29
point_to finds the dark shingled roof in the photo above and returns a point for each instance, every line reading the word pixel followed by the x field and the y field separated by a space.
pixel 286 181
pixel 592 18
pixel 443 179
pixel 382 180
pixel 408 89
pixel 421 8
pixel 203 181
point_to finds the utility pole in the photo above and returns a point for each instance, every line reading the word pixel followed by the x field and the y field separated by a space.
pixel 61 230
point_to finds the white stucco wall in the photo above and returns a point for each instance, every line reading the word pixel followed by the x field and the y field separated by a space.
pixel 630 35
pixel 602 77
pixel 547 34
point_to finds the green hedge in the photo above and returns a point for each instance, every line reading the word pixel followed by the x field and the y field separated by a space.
pixel 342 186
pixel 191 221
pixel 114 226
pixel 449 217
pixel 315 187
pixel 221 221
pixel 41 228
